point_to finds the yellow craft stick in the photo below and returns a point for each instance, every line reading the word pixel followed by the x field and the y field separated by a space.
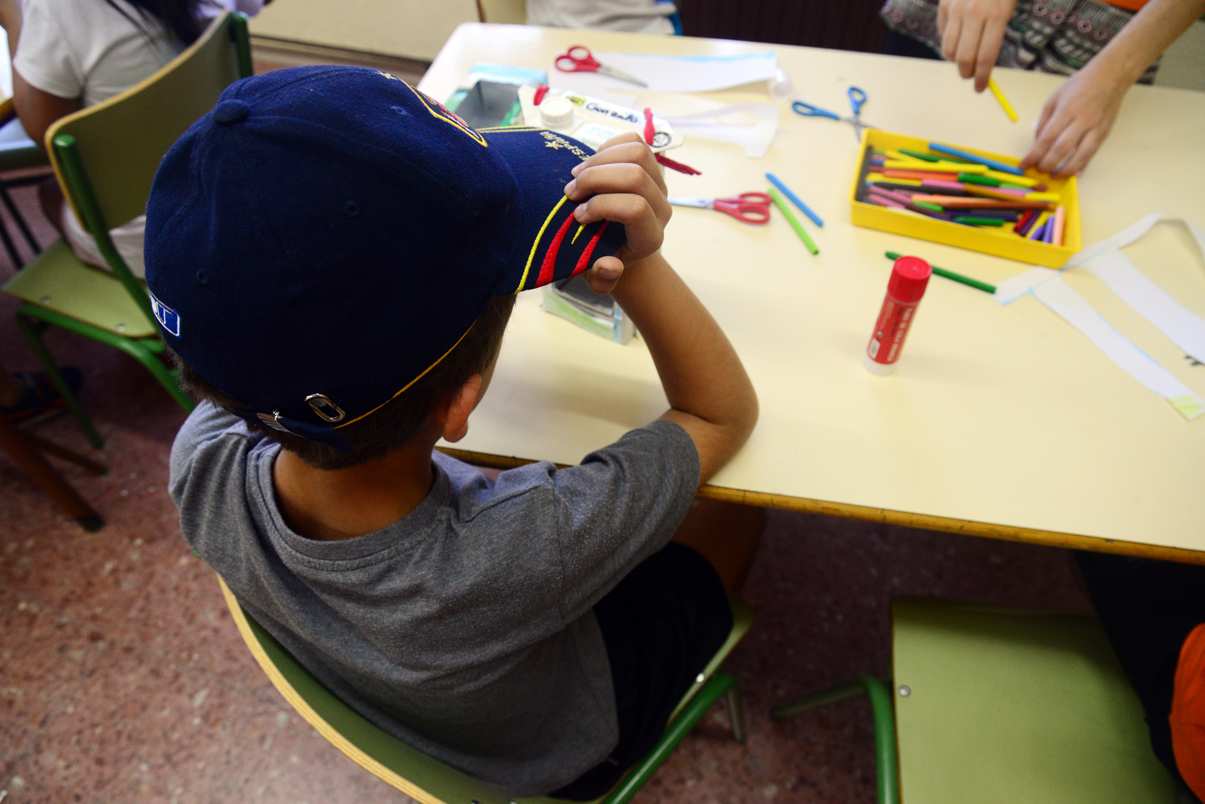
pixel 1000 99
pixel 1052 197
pixel 879 177
pixel 934 167
pixel 1023 181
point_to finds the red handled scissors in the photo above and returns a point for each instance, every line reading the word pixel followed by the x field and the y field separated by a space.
pixel 579 59
pixel 747 207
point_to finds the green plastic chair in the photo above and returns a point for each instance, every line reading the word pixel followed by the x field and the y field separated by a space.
pixel 429 780
pixel 105 158
pixel 997 706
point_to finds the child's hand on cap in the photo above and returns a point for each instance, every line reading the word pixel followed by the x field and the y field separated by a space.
pixel 621 183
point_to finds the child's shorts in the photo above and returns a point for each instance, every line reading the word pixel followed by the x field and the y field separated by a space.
pixel 662 624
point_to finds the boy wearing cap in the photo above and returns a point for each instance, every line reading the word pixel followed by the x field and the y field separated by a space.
pixel 333 257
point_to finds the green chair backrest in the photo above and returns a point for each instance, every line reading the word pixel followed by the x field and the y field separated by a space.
pixel 105 156
pixel 384 756
pixel 1007 707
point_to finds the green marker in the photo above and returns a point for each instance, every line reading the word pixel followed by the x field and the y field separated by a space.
pixel 781 203
pixel 928 206
pixel 955 277
pixel 977 220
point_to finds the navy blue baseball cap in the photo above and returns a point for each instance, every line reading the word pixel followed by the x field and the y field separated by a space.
pixel 325 236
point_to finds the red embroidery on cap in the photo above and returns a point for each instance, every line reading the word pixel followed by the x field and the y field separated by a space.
pixel 583 262
pixel 548 266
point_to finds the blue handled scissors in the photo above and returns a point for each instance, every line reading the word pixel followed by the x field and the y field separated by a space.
pixel 857 99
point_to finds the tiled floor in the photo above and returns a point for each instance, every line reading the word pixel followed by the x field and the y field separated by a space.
pixel 122 678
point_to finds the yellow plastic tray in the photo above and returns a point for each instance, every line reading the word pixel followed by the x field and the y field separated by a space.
pixel 989 241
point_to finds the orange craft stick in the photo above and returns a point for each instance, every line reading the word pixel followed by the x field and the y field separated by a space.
pixel 915 174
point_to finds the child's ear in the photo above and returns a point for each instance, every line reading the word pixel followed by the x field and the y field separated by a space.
pixel 460 406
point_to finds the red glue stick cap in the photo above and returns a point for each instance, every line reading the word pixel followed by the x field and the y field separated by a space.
pixel 909 278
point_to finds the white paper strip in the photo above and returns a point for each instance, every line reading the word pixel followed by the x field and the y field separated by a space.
pixel 1075 310
pixel 1185 328
pixel 1017 286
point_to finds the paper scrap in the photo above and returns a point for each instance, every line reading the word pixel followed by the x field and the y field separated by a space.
pixel 675 73
pixel 749 125
pixel 1075 310
pixel 1185 328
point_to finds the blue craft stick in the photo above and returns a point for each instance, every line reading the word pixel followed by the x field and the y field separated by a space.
pixel 796 200
pixel 982 160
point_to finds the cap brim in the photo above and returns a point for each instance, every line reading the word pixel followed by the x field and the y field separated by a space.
pixel 549 244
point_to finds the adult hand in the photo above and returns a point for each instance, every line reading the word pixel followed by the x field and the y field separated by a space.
pixel 624 184
pixel 1075 121
pixel 971 33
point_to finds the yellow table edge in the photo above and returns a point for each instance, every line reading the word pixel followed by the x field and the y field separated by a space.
pixel 962 527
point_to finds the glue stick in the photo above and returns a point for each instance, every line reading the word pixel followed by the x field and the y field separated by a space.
pixel 909 278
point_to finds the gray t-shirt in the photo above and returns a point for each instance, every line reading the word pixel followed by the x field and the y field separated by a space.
pixel 464 629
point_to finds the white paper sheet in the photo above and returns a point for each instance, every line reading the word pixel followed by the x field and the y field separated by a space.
pixel 1075 310
pixel 674 73
pixel 1185 328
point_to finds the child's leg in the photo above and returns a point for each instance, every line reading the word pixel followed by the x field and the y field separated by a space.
pixel 727 535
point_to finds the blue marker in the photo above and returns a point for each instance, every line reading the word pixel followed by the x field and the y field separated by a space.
pixel 979 160
pixel 796 200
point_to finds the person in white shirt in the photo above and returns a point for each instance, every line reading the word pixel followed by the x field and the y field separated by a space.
pixel 68 55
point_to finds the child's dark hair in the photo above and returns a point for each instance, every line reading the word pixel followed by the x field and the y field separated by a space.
pixel 181 18
pixel 393 425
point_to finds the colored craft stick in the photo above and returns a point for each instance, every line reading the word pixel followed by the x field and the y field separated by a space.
pixel 975 178
pixel 1048 235
pixel 785 209
pixel 999 193
pixel 1053 197
pixel 796 200
pixel 1003 101
pixel 965 201
pixel 920 175
pixel 921 155
pixel 936 167
pixel 1060 220
pixel 1038 229
pixel 998 214
pixel 927 205
pixel 1026 218
pixel 879 178
pixel 896 195
pixel 1027 227
pixel 978 220
pixel 939 184
pixel 884 201
pixel 1023 181
pixel 953 276
pixel 978 160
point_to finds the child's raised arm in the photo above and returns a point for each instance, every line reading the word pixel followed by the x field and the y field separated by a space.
pixel 709 393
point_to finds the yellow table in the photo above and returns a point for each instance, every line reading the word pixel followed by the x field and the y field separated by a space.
pixel 1001 422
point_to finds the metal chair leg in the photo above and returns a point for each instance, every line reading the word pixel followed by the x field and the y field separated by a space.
pixel 34 246
pixel 10 246
pixel 32 330
pixel 736 713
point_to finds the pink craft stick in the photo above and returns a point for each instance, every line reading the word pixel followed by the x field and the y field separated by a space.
pixel 884 201
pixel 941 184
pixel 1060 220
pixel 899 196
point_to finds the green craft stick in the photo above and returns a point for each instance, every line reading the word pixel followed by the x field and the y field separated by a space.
pixel 928 206
pixel 922 155
pixel 952 276
pixel 973 178
pixel 975 220
pixel 781 203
